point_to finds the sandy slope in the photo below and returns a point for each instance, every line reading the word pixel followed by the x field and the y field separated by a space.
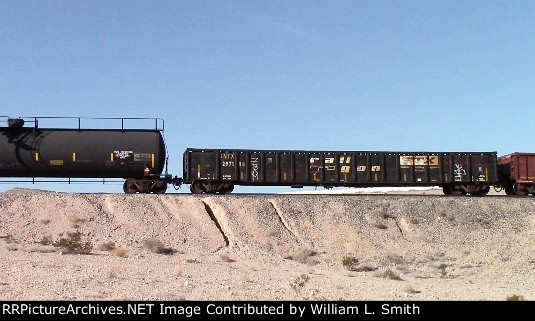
pixel 269 247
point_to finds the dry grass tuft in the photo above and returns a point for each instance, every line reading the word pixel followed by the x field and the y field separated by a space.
pixel 119 252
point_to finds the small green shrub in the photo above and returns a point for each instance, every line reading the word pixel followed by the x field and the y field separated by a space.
pixel 72 244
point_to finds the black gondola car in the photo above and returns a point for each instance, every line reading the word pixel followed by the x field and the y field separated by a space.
pixel 217 171
pixel 137 155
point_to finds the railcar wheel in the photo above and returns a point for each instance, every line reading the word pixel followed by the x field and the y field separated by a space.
pixel 519 190
pixel 453 190
pixel 159 187
pixel 481 191
pixel 197 188
pixel 130 186
pixel 227 189
pixel 485 190
pixel 509 190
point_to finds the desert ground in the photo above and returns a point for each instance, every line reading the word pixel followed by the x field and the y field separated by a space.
pixel 63 246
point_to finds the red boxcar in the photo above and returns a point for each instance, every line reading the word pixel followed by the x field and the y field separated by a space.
pixel 516 173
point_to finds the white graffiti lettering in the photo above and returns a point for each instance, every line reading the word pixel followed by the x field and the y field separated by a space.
pixel 458 172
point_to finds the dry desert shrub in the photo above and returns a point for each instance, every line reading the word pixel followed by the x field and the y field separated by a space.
pixel 409 289
pixel 155 246
pixel 113 274
pixel 8 238
pixel 43 249
pixel 44 221
pixel 192 260
pixel 350 262
pixel 380 226
pixel 482 221
pixel 413 221
pixel 13 247
pixel 445 215
pixel 514 297
pixel 226 258
pixel 384 214
pixel 299 282
pixel 393 259
pixel 110 246
pixel 364 268
pixel 75 220
pixel 389 274
pixel 301 255
pixel 46 240
pixel 442 268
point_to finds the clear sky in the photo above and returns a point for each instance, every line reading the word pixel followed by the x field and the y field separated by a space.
pixel 319 75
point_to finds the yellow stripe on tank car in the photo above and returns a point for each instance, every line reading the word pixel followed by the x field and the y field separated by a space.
pixel 111 157
pixel 152 160
pixel 36 156
pixel 74 157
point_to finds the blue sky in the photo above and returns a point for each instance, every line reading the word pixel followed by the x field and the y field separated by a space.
pixel 318 75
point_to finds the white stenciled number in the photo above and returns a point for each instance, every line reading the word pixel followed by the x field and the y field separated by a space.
pixel 254 168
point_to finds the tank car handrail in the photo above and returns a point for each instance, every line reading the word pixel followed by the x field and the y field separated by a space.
pixel 159 123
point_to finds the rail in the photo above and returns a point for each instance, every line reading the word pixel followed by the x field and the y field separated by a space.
pixel 125 122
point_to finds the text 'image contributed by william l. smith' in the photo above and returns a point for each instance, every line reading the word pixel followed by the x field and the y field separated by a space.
pixel 300 310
